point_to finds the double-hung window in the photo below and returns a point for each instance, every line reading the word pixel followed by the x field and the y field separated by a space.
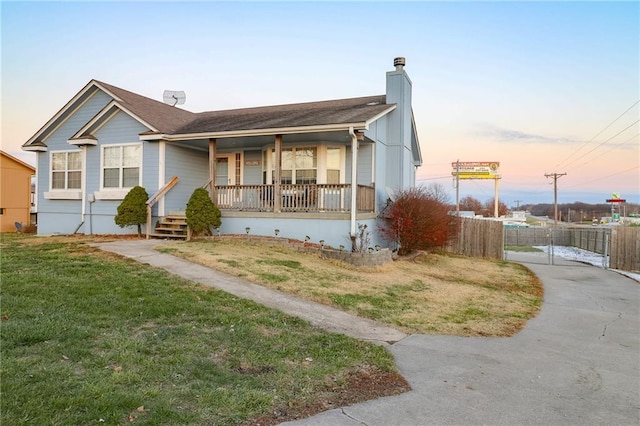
pixel 121 166
pixel 299 165
pixel 320 164
pixel 66 170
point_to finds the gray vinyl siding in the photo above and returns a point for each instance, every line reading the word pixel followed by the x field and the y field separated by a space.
pixel 150 167
pixel 381 177
pixel 252 173
pixel 364 164
pixel 377 130
pixel 399 167
pixel 120 129
pixel 192 168
pixel 63 216
pixel 365 159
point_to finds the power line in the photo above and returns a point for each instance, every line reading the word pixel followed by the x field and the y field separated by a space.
pixel 604 177
pixel 434 178
pixel 619 145
pixel 602 143
pixel 599 133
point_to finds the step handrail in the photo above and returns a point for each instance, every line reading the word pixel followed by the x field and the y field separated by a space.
pixel 157 197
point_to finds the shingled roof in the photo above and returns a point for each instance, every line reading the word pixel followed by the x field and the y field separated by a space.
pixel 165 118
pixel 341 111
pixel 175 121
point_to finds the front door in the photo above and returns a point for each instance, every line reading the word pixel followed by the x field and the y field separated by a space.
pixel 226 177
pixel 225 174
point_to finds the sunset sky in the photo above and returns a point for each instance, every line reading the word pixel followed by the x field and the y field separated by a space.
pixel 541 87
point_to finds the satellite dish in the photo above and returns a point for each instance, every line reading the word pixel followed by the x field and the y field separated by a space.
pixel 174 97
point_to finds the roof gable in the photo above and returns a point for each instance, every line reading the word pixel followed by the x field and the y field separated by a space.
pixel 157 116
pixel 85 135
pixel 35 143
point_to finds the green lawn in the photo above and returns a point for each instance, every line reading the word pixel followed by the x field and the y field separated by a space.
pixel 89 338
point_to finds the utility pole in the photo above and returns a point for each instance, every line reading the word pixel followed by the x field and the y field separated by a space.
pixel 517 204
pixel 555 177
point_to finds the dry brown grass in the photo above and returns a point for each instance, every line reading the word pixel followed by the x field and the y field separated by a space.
pixel 430 293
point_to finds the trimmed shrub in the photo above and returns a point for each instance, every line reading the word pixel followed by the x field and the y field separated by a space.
pixel 202 213
pixel 133 209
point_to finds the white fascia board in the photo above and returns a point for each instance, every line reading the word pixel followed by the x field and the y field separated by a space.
pixel 378 116
pixel 153 137
pixel 60 113
pixel 83 141
pixel 34 148
pixel 107 91
pixel 258 132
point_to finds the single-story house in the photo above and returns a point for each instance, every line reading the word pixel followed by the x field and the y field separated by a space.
pixel 320 170
pixel 15 192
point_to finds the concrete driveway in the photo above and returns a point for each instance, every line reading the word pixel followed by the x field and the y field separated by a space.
pixel 577 363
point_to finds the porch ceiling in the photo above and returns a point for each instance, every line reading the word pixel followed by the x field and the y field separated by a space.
pixel 258 142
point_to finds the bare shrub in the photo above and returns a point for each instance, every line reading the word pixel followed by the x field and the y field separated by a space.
pixel 418 219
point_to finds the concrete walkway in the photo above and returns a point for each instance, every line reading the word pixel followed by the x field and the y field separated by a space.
pixel 577 363
pixel 319 315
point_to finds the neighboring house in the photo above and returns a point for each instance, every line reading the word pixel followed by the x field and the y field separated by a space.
pixel 15 192
pixel 318 169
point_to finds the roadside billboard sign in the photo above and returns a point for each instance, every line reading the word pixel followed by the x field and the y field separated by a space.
pixel 476 169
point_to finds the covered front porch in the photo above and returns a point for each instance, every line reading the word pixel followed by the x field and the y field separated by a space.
pixel 323 198
pixel 304 183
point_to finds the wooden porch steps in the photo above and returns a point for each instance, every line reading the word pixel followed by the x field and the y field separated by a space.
pixel 173 226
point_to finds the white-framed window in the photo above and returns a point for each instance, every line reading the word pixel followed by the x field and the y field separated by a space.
pixel 307 164
pixel 121 166
pixel 335 165
pixel 66 170
pixel 299 165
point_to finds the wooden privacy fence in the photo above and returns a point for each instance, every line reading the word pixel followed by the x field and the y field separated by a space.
pixel 590 239
pixel 594 240
pixel 620 243
pixel 479 238
pixel 537 236
pixel 625 249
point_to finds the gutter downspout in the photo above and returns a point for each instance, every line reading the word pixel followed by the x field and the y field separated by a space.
pixel 83 210
pixel 354 183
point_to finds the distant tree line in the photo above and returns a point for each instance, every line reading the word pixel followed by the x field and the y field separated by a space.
pixel 567 212
pixel 577 211
pixel 486 209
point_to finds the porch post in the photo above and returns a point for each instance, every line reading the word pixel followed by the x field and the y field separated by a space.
pixel 354 181
pixel 213 193
pixel 277 192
